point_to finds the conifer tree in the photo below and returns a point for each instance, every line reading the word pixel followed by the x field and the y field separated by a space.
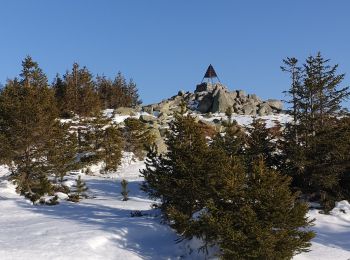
pixel 60 88
pixel 132 92
pixel 265 221
pixel 62 150
pixel 111 148
pixel 232 139
pixel 319 98
pixel 92 138
pixel 137 137
pixel 118 92
pixel 178 177
pixel 80 189
pixel 80 93
pixel 260 142
pixel 105 91
pixel 27 113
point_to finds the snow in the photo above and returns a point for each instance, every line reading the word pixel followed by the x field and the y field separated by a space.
pixel 246 120
pixel 332 239
pixel 96 228
pixel 101 227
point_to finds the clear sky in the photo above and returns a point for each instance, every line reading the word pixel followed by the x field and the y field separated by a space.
pixel 166 46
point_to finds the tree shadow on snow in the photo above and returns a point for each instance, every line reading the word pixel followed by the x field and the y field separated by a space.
pixel 143 235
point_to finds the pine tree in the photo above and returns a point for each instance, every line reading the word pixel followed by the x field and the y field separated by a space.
pixel 260 218
pixel 80 189
pixel 105 91
pixel 318 102
pixel 132 93
pixel 111 148
pixel 232 139
pixel 27 113
pixel 260 142
pixel 80 94
pixel 117 93
pixel 125 191
pixel 178 177
pixel 62 150
pixel 92 138
pixel 60 88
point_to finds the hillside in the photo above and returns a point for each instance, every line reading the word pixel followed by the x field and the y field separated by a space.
pixel 101 227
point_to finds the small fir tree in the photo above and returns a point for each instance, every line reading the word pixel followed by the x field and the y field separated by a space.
pixel 80 188
pixel 260 218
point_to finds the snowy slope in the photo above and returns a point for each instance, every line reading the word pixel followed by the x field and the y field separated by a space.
pixel 102 228
pixel 98 228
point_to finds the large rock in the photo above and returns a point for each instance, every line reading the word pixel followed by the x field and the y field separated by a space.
pixel 222 100
pixel 254 97
pixel 209 87
pixel 159 141
pixel 264 109
pixel 205 104
pixel 147 118
pixel 275 104
pixel 126 111
pixel 241 94
pixel 249 109
pixel 148 109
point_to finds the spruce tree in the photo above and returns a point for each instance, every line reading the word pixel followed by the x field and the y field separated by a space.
pixel 232 139
pixel 178 177
pixel 258 218
pixel 319 98
pixel 261 142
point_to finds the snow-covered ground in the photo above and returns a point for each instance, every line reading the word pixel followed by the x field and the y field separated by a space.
pixel 101 227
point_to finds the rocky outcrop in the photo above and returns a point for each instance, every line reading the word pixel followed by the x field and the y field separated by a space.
pixel 216 98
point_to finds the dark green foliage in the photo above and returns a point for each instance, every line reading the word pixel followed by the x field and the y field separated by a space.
pixel 178 177
pixel 232 140
pixel 117 93
pixel 76 93
pixel 315 149
pixel 261 142
pixel 80 188
pixel 27 113
pixel 209 192
pixel 101 140
pixel 62 150
pixel 260 220
pixel 111 146
pixel 125 191
pixel 137 137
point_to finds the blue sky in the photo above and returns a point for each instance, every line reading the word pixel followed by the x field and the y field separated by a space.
pixel 166 46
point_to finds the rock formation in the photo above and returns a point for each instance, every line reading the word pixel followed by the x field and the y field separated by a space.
pixel 216 98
